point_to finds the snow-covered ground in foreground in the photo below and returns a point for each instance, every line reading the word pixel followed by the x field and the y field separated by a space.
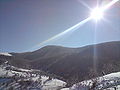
pixel 54 84
pixel 3 72
pixel 107 82
pixel 39 82
pixel 113 75
pixel 43 82
pixel 117 88
pixel 5 54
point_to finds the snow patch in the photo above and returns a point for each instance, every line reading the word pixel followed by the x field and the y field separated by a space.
pixel 116 74
pixel 38 81
pixel 5 54
pixel 65 89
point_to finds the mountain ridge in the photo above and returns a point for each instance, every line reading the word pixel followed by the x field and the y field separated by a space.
pixel 72 63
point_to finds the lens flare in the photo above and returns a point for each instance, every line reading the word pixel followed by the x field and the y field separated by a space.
pixel 97 13
pixel 109 4
pixel 65 32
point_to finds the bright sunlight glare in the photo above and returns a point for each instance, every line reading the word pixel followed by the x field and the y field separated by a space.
pixel 97 13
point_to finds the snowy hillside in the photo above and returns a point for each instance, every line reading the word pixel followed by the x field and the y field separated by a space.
pixel 23 79
pixel 5 54
pixel 107 82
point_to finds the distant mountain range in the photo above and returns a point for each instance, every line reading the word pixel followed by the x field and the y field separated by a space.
pixel 71 63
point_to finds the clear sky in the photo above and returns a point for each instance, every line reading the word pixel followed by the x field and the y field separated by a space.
pixel 26 23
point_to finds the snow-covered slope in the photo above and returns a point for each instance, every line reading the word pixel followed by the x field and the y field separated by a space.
pixel 107 82
pixel 113 75
pixel 23 79
pixel 5 54
pixel 54 84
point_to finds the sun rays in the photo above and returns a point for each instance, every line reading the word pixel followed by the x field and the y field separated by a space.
pixel 96 14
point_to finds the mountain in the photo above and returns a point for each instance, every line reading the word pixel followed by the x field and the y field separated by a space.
pixel 72 63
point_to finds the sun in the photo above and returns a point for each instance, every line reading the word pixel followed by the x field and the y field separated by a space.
pixel 97 13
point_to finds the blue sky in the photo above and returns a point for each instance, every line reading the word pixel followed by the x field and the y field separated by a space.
pixel 26 23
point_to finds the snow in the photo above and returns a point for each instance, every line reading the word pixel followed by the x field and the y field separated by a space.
pixel 3 72
pixel 107 82
pixel 113 75
pixel 5 54
pixel 65 89
pixel 47 83
pixel 24 70
pixel 44 78
pixel 118 88
pixel 52 84
pixel 35 78
pixel 55 82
